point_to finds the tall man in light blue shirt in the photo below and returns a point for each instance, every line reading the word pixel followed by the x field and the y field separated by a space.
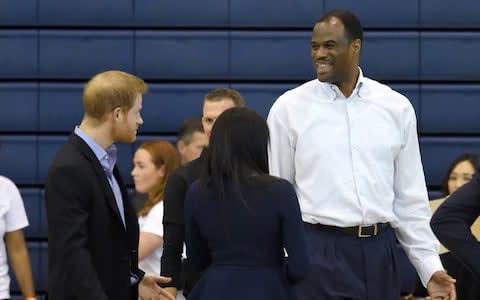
pixel 92 226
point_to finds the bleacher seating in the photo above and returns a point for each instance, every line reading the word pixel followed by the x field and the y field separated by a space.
pixel 48 49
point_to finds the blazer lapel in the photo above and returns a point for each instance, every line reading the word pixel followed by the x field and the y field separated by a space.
pixel 102 177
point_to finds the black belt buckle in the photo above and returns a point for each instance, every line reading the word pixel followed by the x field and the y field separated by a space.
pixel 365 231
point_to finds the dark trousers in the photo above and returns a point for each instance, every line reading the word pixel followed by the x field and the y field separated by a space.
pixel 347 267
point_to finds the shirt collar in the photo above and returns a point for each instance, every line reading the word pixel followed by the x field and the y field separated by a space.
pixel 334 92
pixel 106 157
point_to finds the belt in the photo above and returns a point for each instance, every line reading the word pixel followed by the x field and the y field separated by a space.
pixel 361 231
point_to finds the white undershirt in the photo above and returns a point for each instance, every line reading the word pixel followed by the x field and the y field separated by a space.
pixel 152 223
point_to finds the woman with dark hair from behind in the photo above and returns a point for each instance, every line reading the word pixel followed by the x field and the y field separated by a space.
pixel 460 172
pixel 239 219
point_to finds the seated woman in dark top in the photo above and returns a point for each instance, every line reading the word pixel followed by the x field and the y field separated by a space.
pixel 239 220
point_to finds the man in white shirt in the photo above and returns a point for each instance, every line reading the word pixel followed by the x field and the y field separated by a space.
pixel 349 145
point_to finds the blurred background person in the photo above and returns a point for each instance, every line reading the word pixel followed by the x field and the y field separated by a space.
pixel 459 172
pixel 153 162
pixel 191 140
pixel 239 219
pixel 12 221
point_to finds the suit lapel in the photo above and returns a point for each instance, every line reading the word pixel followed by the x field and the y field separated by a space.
pixel 102 177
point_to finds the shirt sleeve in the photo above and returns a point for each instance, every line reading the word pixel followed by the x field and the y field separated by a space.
pixel 281 149
pixel 452 221
pixel 154 220
pixel 411 206
pixel 15 217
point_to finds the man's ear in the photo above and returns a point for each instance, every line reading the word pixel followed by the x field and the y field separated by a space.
pixel 181 146
pixel 117 111
pixel 357 46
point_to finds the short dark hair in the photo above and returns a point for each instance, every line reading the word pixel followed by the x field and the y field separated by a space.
pixel 188 129
pixel 473 159
pixel 353 26
pixel 221 93
pixel 237 151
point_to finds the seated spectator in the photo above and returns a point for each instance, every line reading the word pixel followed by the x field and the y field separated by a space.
pixel 153 162
pixel 239 219
pixel 12 221
pixel 460 172
pixel 191 140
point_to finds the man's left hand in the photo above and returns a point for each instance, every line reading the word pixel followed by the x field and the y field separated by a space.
pixel 441 287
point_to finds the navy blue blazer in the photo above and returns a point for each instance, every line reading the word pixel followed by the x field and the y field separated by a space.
pixel 452 220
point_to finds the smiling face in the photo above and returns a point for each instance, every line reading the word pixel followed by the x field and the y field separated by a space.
pixel 127 122
pixel 145 173
pixel 461 174
pixel 334 56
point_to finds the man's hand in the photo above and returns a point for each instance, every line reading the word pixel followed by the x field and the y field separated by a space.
pixel 149 287
pixel 441 287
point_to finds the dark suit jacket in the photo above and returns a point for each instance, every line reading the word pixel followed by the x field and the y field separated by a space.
pixel 174 226
pixel 452 220
pixel 90 253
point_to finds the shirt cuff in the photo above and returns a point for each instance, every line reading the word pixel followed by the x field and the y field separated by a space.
pixel 427 267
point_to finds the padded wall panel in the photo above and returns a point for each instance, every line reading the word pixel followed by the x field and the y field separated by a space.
pixel 390 55
pixel 281 13
pixel 18 158
pixel 182 55
pixel 412 92
pixel 48 146
pixel 60 106
pixel 18 13
pixel 449 56
pixel 261 97
pixel 439 152
pixel 85 12
pixel 19 107
pixel 181 13
pixel 43 216
pixel 42 281
pixel 450 109
pixel 380 13
pixel 32 200
pixel 166 106
pixel 82 54
pixel 271 55
pixel 124 162
pixel 449 13
pixel 18 54
pixel 145 138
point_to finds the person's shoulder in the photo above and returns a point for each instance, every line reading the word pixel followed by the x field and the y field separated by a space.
pixel 383 95
pixel 157 209
pixel 279 185
pixel 7 184
pixel 294 96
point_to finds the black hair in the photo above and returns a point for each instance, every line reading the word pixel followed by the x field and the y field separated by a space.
pixel 353 26
pixel 473 159
pixel 237 151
